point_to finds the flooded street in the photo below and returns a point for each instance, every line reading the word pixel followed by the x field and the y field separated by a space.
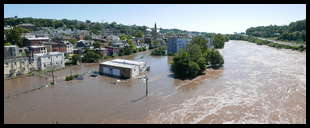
pixel 258 84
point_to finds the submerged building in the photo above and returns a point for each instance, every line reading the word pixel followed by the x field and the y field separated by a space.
pixel 51 60
pixel 15 66
pixel 122 68
pixel 176 43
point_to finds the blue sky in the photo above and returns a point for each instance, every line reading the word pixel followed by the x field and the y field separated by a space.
pixel 204 17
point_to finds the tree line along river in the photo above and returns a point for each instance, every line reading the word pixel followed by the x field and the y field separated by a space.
pixel 258 84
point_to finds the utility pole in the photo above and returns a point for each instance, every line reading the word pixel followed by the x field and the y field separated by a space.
pixel 70 70
pixel 146 87
pixel 52 71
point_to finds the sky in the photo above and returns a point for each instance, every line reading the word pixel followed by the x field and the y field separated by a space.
pixel 218 18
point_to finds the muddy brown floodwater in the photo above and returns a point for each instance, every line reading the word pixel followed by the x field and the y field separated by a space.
pixel 258 84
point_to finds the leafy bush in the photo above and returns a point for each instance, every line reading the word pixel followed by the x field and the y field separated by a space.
pixel 215 59
pixel 161 51
pixel 91 56
pixel 219 41
pixel 68 78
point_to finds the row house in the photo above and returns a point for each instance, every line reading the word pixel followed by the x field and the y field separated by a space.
pixel 84 44
pixel 36 50
pixel 64 47
pixel 102 51
pixel 14 66
pixel 113 50
pixel 69 49
pixel 30 41
pixel 10 51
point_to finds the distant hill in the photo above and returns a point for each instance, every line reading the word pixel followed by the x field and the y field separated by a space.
pixel 96 27
pixel 295 31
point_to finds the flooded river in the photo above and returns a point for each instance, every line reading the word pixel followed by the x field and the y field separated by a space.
pixel 258 84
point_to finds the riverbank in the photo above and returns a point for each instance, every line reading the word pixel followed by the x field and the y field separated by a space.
pixel 259 41
pixel 291 43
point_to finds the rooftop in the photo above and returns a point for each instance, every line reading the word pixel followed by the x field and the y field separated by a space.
pixel 130 62
pixel 48 54
pixel 25 24
pixel 38 46
pixel 111 63
pixel 13 46
pixel 38 38
pixel 123 63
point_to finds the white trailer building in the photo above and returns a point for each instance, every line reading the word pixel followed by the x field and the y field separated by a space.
pixel 122 68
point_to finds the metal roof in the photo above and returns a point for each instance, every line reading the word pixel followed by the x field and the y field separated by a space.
pixel 111 63
pixel 38 38
pixel 49 54
pixel 130 62
pixel 123 63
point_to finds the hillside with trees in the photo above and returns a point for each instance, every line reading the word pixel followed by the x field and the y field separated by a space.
pixel 295 31
pixel 258 41
pixel 94 27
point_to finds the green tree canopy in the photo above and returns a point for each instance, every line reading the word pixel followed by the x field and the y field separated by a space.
pixel 91 56
pixel 219 41
pixel 215 59
pixel 201 42
pixel 97 44
pixel 15 36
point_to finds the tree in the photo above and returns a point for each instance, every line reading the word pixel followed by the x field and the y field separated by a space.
pixel 87 37
pixel 73 41
pixel 154 44
pixel 161 51
pixel 91 56
pixel 125 51
pixel 82 26
pixel 183 67
pixel 291 32
pixel 97 44
pixel 215 59
pixel 219 41
pixel 132 45
pixel 180 65
pixel 201 42
pixel 75 58
pixel 138 34
pixel 7 44
pixel 196 54
pixel 15 36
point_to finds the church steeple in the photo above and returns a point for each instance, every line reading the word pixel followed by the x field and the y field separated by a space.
pixel 154 32
pixel 155 27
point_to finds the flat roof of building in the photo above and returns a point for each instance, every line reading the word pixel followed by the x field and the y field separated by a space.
pixel 38 38
pixel 11 46
pixel 123 63
pixel 114 64
pixel 130 62
pixel 37 46
pixel 50 53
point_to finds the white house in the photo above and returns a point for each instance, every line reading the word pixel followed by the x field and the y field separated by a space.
pixel 50 60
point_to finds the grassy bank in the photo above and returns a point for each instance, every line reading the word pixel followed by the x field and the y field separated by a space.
pixel 266 42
